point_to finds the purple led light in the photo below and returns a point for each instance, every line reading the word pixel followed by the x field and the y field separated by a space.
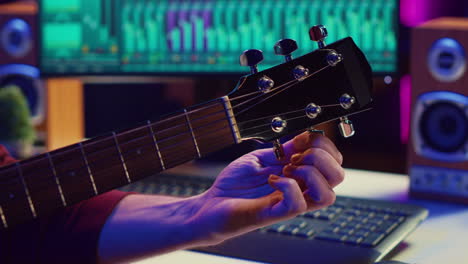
pixel 415 12
pixel 405 108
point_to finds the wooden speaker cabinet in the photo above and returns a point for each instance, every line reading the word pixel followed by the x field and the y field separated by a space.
pixel 438 149
pixel 19 55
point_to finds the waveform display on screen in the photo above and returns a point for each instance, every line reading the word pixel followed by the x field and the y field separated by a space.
pixel 203 36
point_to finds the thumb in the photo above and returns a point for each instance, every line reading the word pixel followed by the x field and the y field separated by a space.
pixel 298 144
pixel 293 201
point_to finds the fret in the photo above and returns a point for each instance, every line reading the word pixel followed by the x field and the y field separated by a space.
pixel 232 120
pixel 121 157
pixel 72 174
pixel 174 140
pixel 139 153
pixel 56 180
pixel 41 184
pixel 191 132
pixel 2 216
pixel 13 198
pixel 155 141
pixel 211 127
pixel 91 177
pixel 26 191
pixel 104 160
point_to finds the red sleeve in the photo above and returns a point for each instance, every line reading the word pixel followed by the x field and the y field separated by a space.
pixel 69 236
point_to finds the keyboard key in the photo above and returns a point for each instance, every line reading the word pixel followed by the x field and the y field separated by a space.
pixel 276 228
pixel 346 231
pixel 296 222
pixel 305 232
pixel 332 229
pixel 361 219
pixel 326 216
pixel 353 212
pixel 354 239
pixel 375 221
pixel 339 224
pixel 362 233
pixel 331 237
pixel 370 228
pixel 290 230
pixel 315 214
pixel 372 240
pixel 387 227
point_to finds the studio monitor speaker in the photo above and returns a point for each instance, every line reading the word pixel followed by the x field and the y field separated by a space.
pixel 438 149
pixel 19 54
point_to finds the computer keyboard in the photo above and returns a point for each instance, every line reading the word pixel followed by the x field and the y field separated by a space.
pixel 351 231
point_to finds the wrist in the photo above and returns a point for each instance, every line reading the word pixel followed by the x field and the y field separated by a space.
pixel 145 225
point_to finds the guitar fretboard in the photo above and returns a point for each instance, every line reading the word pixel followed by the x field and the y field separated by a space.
pixel 47 182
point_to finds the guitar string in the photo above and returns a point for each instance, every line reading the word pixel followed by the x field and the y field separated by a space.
pixel 42 183
pixel 273 89
pixel 205 107
pixel 238 105
pixel 286 113
pixel 280 91
pixel 174 147
pixel 164 139
pixel 122 144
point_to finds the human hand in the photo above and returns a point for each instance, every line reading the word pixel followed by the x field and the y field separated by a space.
pixel 253 191
pixel 257 190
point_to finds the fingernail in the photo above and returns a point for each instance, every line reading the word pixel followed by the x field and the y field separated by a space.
pixel 296 158
pixel 274 177
pixel 340 157
pixel 289 169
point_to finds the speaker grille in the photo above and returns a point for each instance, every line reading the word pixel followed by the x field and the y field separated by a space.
pixel 440 126
pixel 444 127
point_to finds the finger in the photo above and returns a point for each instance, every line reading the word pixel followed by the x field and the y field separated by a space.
pixel 324 162
pixel 318 192
pixel 293 201
pixel 299 144
pixel 323 142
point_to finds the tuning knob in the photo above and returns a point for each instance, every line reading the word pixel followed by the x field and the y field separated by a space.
pixel 318 33
pixel 251 58
pixel 346 127
pixel 285 47
pixel 278 149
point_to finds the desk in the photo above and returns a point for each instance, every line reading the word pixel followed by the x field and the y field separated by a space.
pixel 441 239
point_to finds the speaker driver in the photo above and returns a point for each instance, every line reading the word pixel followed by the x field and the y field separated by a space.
pixel 446 60
pixel 441 126
pixel 444 127
pixel 16 37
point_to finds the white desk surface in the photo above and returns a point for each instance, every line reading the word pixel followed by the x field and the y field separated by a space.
pixel 441 239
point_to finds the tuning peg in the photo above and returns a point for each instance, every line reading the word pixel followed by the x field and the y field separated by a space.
pixel 285 47
pixel 251 58
pixel 278 149
pixel 346 127
pixel 346 101
pixel 318 33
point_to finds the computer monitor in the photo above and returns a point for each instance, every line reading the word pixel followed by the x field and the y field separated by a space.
pixel 186 37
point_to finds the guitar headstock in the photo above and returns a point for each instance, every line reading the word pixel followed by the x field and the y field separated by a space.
pixel 330 83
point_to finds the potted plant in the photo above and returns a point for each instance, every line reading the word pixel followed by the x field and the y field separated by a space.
pixel 16 130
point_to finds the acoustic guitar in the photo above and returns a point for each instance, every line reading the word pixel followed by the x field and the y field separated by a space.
pixel 327 84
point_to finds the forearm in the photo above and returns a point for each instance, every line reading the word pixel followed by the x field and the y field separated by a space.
pixel 145 225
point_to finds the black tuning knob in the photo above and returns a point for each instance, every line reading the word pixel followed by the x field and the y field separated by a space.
pixel 285 47
pixel 318 33
pixel 251 58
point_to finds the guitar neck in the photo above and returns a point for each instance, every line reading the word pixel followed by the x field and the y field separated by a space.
pixel 65 176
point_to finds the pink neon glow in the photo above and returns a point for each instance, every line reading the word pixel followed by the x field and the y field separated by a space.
pixel 415 12
pixel 405 108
